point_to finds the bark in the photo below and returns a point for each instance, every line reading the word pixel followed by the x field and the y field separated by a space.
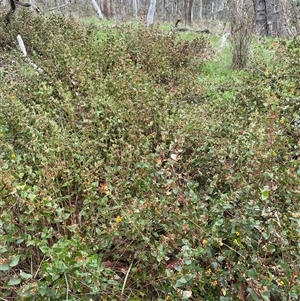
pixel 135 8
pixel 107 9
pixel 200 9
pixel 212 12
pixel 269 19
pixel 151 12
pixel 97 9
pixel 190 4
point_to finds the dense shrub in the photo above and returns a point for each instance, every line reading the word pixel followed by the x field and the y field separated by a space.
pixel 120 181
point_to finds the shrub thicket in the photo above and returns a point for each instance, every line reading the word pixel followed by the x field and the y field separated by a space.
pixel 119 181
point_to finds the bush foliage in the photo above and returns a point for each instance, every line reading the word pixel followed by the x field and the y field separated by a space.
pixel 121 178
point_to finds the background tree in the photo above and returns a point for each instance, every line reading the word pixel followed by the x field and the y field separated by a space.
pixel 269 17
pixel 151 12
pixel 272 17
pixel 189 11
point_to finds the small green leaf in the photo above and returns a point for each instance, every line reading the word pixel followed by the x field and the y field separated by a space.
pixel 224 298
pixel 271 248
pixel 14 281
pixel 42 290
pixel 31 196
pixel 14 261
pixel 180 282
pixel 266 295
pixel 25 275
pixel 293 293
pixel 219 222
pixel 252 293
pixel 252 274
pixel 44 249
pixel 4 267
pixel 265 193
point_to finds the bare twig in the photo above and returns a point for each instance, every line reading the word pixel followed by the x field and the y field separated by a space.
pixel 125 280
pixel 67 284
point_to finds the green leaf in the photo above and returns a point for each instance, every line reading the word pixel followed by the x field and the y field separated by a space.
pixel 180 282
pixel 224 298
pixel 4 267
pixel 252 293
pixel 265 193
pixel 293 293
pixel 44 249
pixel 252 274
pixel 14 281
pixel 219 222
pixel 14 261
pixel 31 196
pixel 25 275
pixel 42 290
pixel 266 295
pixel 271 248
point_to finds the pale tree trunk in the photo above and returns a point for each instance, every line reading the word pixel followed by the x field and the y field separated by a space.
pixel 112 8
pixel 200 15
pixel 122 9
pixel 212 13
pixel 135 8
pixel 97 9
pixel 163 10
pixel 151 12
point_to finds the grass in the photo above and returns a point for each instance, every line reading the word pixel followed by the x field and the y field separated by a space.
pixel 146 169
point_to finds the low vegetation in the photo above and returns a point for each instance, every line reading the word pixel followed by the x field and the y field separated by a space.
pixel 129 172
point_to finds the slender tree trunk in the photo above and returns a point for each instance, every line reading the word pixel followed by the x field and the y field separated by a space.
pixel 200 9
pixel 135 8
pixel 97 9
pixel 151 12
pixel 122 9
pixel 107 8
pixel 112 9
pixel 190 4
pixel 212 13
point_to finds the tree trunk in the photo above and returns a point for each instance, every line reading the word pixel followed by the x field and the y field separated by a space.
pixel 212 12
pixel 135 8
pixel 200 9
pixel 190 4
pixel 261 23
pixel 151 12
pixel 269 19
pixel 107 9
pixel 97 9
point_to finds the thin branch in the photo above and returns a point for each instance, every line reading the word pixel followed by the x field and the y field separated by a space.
pixel 67 284
pixel 125 280
pixel 58 7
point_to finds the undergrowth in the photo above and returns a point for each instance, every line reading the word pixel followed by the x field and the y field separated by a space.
pixel 122 176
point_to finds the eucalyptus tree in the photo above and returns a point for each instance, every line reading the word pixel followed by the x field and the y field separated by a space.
pixel 151 12
pixel 273 17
